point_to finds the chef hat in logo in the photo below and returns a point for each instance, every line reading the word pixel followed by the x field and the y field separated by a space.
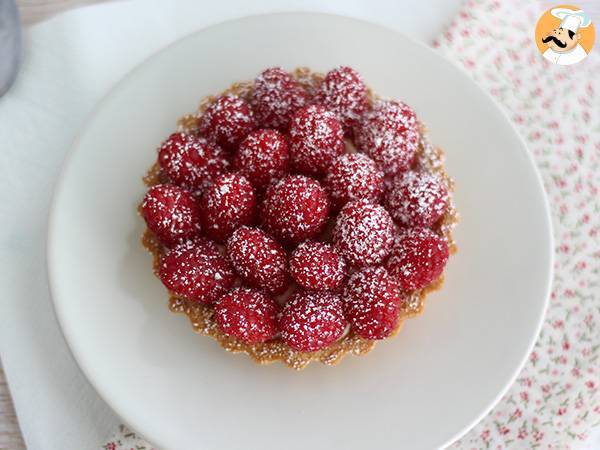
pixel 571 20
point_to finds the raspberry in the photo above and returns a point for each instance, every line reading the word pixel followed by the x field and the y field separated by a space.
pixel 259 259
pixel 317 266
pixel 372 300
pixel 417 258
pixel 351 177
pixel 197 271
pixel 417 199
pixel 295 208
pixel 247 314
pixel 275 98
pixel 227 120
pixel 227 204
pixel 190 161
pixel 171 213
pixel 262 157
pixel 316 138
pixel 344 92
pixel 363 233
pixel 390 135
pixel 311 321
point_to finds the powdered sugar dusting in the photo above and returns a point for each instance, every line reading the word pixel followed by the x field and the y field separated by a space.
pixel 417 198
pixel 262 157
pixel 229 203
pixel 363 233
pixel 258 259
pixel 195 269
pixel 428 159
pixel 418 258
pixel 317 266
pixel 295 208
pixel 171 213
pixel 311 321
pixel 247 314
pixel 372 301
pixel 276 97
pixel 344 92
pixel 227 120
pixel 316 139
pixel 352 177
pixel 389 134
pixel 190 161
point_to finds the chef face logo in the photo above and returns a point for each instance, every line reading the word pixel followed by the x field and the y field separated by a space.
pixel 561 40
pixel 565 35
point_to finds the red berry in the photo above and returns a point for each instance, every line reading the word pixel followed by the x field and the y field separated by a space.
pixel 352 177
pixel 258 259
pixel 417 258
pixel 262 157
pixel 275 98
pixel 171 213
pixel 372 302
pixel 389 134
pixel 197 271
pixel 295 208
pixel 247 314
pixel 344 92
pixel 317 266
pixel 417 199
pixel 227 204
pixel 316 139
pixel 311 321
pixel 190 161
pixel 363 233
pixel 227 120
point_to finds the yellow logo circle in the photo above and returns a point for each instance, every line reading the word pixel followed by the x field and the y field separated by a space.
pixel 565 35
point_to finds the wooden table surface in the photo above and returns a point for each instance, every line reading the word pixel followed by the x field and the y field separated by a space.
pixel 10 435
pixel 33 11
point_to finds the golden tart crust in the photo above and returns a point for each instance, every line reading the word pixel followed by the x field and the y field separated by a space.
pixel 201 316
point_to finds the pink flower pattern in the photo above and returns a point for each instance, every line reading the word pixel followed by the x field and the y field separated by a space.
pixel 125 439
pixel 555 400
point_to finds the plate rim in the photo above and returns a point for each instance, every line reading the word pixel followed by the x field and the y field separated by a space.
pixel 51 248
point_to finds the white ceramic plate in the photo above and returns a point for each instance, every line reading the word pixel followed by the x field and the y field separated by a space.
pixel 420 390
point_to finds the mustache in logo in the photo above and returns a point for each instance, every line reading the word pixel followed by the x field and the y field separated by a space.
pixel 555 40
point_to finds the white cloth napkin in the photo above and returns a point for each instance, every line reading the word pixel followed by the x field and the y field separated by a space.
pixel 70 62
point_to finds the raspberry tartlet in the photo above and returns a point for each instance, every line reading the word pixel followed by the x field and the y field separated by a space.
pixel 299 217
